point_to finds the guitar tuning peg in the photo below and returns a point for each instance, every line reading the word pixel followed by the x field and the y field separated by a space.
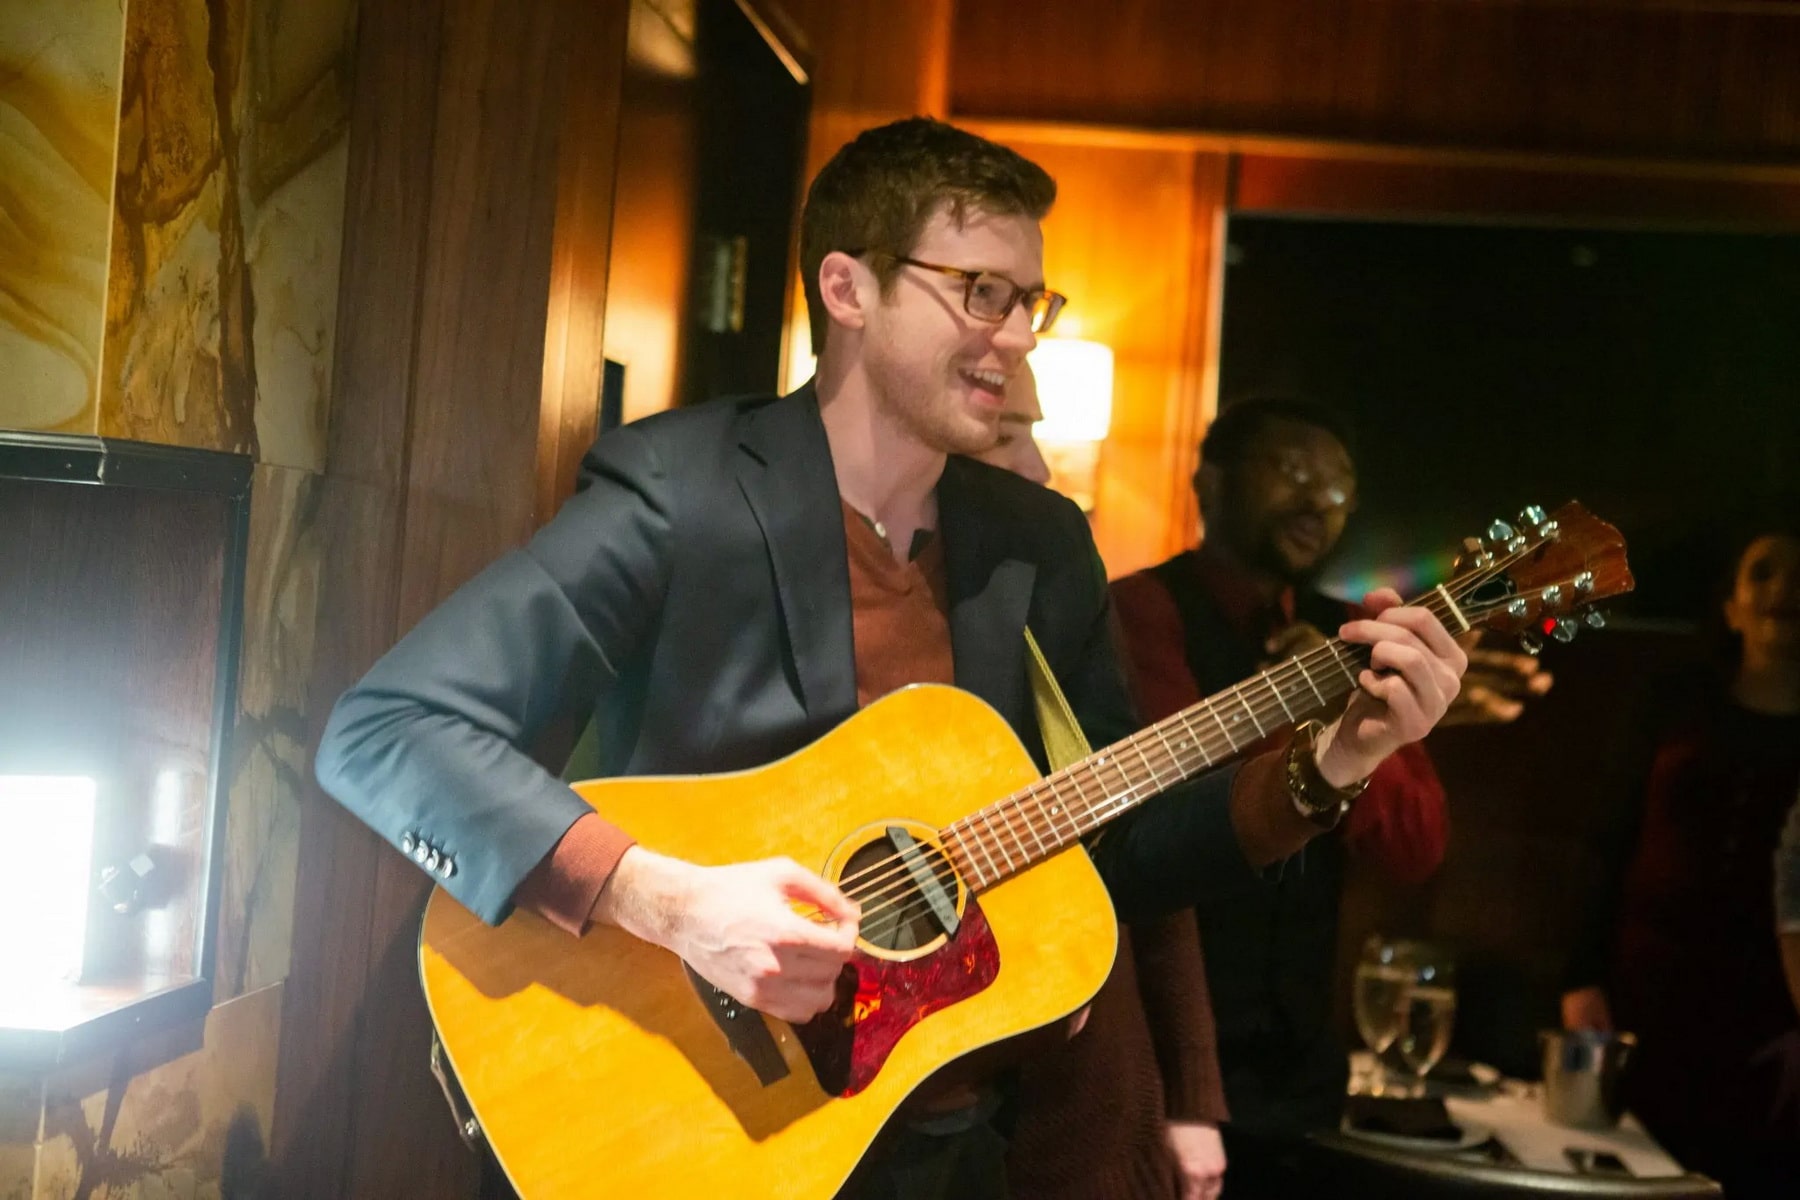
pixel 1584 583
pixel 1499 531
pixel 1565 630
pixel 1531 514
pixel 1595 619
pixel 1531 643
pixel 1553 595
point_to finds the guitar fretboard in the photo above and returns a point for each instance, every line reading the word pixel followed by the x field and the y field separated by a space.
pixel 1025 828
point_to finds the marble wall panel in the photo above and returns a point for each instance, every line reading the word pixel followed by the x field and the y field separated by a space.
pixel 268 749
pixel 191 1129
pixel 21 1113
pixel 227 225
pixel 59 103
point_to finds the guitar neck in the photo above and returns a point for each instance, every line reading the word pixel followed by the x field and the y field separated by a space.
pixel 1014 834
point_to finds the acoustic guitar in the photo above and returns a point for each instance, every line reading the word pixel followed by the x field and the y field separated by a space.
pixel 605 1067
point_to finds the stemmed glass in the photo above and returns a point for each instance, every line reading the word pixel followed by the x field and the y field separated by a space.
pixel 1428 1012
pixel 1378 999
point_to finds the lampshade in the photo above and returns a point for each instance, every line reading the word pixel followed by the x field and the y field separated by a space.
pixel 1075 382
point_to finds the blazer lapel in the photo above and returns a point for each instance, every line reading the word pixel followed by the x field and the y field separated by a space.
pixel 990 598
pixel 786 476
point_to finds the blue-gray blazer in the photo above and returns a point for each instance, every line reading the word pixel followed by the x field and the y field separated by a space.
pixel 695 594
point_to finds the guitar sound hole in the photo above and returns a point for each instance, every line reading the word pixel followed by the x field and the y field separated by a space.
pixel 897 914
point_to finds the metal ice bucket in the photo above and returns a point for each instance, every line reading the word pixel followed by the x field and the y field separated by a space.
pixel 1583 1070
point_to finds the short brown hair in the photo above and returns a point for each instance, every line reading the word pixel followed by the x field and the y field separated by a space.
pixel 878 193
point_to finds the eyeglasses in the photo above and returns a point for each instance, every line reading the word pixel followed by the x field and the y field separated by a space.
pixel 991 297
pixel 1300 470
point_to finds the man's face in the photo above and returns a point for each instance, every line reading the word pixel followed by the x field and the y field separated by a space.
pixel 940 373
pixel 1285 504
pixel 1017 450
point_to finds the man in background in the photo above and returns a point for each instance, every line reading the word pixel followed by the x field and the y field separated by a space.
pixel 1276 485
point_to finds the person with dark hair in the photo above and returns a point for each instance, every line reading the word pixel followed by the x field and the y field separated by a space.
pixel 736 578
pixel 1684 950
pixel 1276 483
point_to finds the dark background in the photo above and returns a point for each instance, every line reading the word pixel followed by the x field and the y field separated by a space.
pixel 1655 376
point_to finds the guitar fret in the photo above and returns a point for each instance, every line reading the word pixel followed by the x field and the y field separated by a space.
pixel 1031 825
pixel 1094 764
pixel 1174 755
pixel 1339 659
pixel 987 818
pixel 1229 740
pixel 1155 778
pixel 981 845
pixel 1260 731
pixel 1279 699
pixel 1112 799
pixel 1056 809
pixel 1187 727
pixel 1306 675
pixel 1078 820
pixel 967 867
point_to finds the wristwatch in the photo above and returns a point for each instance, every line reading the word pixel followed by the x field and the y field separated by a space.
pixel 1314 798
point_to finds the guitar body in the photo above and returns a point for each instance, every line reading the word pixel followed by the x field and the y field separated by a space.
pixel 598 1066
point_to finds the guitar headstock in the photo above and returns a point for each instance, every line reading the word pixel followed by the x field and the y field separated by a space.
pixel 1540 577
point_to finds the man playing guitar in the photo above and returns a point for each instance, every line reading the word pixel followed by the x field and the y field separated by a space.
pixel 736 578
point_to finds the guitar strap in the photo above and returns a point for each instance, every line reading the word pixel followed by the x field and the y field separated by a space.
pixel 1064 743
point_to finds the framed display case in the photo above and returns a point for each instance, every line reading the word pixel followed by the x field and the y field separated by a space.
pixel 121 594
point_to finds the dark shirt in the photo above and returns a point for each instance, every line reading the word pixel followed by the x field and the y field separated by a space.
pixel 1694 965
pixel 1194 626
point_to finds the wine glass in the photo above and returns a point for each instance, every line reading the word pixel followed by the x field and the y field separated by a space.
pixel 1428 1012
pixel 1378 999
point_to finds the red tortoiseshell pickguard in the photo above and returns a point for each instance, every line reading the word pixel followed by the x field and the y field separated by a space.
pixel 878 1001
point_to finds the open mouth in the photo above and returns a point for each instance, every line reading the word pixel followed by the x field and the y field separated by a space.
pixel 989 387
pixel 1304 533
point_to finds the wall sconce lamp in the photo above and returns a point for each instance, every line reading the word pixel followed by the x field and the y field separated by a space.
pixel 47 826
pixel 1075 387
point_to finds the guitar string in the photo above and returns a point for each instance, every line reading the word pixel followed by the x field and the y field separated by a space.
pixel 1273 684
pixel 897 877
pixel 1010 809
pixel 904 901
pixel 1117 801
pixel 1276 681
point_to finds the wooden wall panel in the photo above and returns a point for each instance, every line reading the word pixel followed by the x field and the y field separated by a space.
pixel 883 60
pixel 1675 80
pixel 481 186
pixel 1372 188
pixel 362 505
pixel 580 254
pixel 1133 242
pixel 653 211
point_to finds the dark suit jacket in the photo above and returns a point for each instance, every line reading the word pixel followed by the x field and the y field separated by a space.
pixel 696 593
